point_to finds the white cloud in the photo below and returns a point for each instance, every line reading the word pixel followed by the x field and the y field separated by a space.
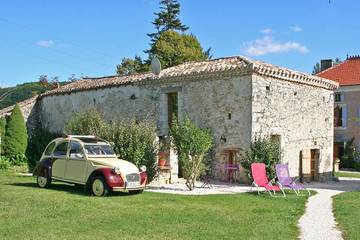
pixel 266 31
pixel 266 45
pixel 45 43
pixel 295 28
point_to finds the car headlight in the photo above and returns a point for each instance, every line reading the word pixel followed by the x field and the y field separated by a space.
pixel 117 170
pixel 143 168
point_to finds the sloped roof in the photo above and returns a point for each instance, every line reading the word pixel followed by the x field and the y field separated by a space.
pixel 25 106
pixel 195 70
pixel 346 73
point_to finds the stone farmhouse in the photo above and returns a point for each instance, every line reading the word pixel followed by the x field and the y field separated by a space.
pixel 347 98
pixel 237 98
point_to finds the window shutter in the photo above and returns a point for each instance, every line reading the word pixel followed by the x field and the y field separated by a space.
pixel 344 116
pixel 342 97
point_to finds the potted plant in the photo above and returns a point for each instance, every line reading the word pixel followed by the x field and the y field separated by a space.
pixel 163 155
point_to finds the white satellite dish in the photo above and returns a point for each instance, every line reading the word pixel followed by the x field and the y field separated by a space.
pixel 155 65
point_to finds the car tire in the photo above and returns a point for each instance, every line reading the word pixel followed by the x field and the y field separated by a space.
pixel 98 187
pixel 136 191
pixel 43 182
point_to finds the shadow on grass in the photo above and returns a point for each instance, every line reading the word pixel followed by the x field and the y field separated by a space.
pixel 63 187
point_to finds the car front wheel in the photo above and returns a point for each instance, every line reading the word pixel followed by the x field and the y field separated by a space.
pixel 43 182
pixel 99 187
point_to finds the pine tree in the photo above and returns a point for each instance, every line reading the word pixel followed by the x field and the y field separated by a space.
pixel 167 19
pixel 15 141
pixel 2 131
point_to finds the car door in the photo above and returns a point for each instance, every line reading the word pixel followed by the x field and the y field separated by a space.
pixel 60 157
pixel 76 163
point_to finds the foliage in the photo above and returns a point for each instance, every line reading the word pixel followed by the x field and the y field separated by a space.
pixel 351 153
pixel 167 19
pixel 4 163
pixel 173 48
pixel 169 43
pixel 135 142
pixel 357 165
pixel 192 144
pixel 15 141
pixel 2 132
pixel 130 66
pixel 210 217
pixel 262 150
pixel 37 143
pixel 88 122
pixel 11 95
pixel 347 213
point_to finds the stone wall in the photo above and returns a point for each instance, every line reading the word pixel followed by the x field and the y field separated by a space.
pixel 300 114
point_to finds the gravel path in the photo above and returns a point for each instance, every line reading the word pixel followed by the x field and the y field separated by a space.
pixel 318 222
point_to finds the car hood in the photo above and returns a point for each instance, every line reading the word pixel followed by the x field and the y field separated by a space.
pixel 125 166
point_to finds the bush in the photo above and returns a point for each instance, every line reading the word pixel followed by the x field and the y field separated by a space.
pixel 88 122
pixel 4 163
pixel 192 145
pixel 133 141
pixel 357 165
pixel 38 141
pixel 15 141
pixel 264 150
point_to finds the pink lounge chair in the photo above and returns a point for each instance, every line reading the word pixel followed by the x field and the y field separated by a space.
pixel 284 179
pixel 258 172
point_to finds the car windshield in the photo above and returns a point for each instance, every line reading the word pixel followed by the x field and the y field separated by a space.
pixel 98 150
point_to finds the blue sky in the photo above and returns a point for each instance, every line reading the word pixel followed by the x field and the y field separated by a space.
pixel 89 38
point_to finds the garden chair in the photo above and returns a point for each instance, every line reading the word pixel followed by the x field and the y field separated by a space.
pixel 284 179
pixel 258 172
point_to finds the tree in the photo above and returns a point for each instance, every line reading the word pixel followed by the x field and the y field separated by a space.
pixel 192 144
pixel 15 141
pixel 167 19
pixel 262 150
pixel 130 66
pixel 173 48
pixel 2 132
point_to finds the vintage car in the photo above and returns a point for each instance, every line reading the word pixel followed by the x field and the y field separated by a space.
pixel 91 162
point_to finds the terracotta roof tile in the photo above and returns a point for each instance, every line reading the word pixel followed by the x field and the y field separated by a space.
pixel 346 73
pixel 191 69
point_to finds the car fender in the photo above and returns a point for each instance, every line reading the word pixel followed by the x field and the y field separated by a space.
pixel 44 168
pixel 112 179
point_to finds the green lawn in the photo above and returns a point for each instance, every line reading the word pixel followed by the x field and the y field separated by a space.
pixel 347 213
pixel 348 174
pixel 62 212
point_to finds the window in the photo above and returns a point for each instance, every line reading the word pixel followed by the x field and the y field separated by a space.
pixel 340 117
pixel 172 107
pixel 75 148
pixel 50 149
pixel 339 97
pixel 61 149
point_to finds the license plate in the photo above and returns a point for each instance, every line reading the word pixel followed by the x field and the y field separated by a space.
pixel 133 185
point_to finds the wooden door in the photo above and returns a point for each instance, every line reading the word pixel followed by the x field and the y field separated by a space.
pixel 314 164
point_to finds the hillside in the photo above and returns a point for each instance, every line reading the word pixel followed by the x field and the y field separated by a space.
pixel 12 95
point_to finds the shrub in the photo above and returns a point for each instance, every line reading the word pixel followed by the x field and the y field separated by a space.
pixel 4 163
pixel 38 141
pixel 15 141
pixel 133 141
pixel 264 150
pixel 136 142
pixel 357 165
pixel 88 122
pixel 192 145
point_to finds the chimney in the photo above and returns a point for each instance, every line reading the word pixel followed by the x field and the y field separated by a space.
pixel 325 64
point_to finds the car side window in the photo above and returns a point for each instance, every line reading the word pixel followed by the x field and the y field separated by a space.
pixel 75 149
pixel 61 149
pixel 48 151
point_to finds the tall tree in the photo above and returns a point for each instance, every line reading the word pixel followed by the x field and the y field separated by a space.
pixel 167 19
pixel 317 66
pixel 15 141
pixel 2 132
pixel 169 42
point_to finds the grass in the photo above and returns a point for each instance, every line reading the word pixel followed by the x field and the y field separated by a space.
pixel 348 174
pixel 62 212
pixel 347 213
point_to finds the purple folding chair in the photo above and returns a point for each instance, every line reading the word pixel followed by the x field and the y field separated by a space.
pixel 282 173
